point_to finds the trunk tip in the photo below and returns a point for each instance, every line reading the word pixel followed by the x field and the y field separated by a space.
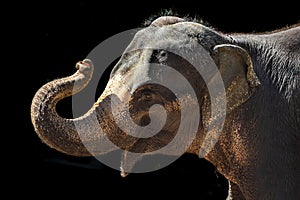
pixel 85 66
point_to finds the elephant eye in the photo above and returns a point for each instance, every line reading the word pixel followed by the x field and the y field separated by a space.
pixel 162 56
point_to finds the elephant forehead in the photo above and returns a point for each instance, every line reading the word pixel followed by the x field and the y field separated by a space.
pixel 175 36
pixel 165 37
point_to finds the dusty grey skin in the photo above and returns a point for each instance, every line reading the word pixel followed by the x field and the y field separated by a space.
pixel 258 150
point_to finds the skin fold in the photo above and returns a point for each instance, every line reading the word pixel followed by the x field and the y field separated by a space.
pixel 258 150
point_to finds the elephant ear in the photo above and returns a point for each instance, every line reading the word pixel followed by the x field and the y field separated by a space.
pixel 236 68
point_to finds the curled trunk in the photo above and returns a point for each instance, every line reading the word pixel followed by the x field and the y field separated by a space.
pixel 61 133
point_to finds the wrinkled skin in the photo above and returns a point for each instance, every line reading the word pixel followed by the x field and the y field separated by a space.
pixel 258 150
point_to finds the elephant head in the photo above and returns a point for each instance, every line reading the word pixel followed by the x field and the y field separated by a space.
pixel 130 94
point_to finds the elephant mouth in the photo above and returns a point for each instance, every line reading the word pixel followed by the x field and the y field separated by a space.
pixel 129 145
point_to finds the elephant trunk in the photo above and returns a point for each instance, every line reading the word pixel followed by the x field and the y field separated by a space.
pixel 71 136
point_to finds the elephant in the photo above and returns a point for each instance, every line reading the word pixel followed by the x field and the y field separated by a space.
pixel 258 148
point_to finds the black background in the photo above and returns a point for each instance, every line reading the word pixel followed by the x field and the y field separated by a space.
pixel 47 39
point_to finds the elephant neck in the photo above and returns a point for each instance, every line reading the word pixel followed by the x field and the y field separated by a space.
pixel 258 150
